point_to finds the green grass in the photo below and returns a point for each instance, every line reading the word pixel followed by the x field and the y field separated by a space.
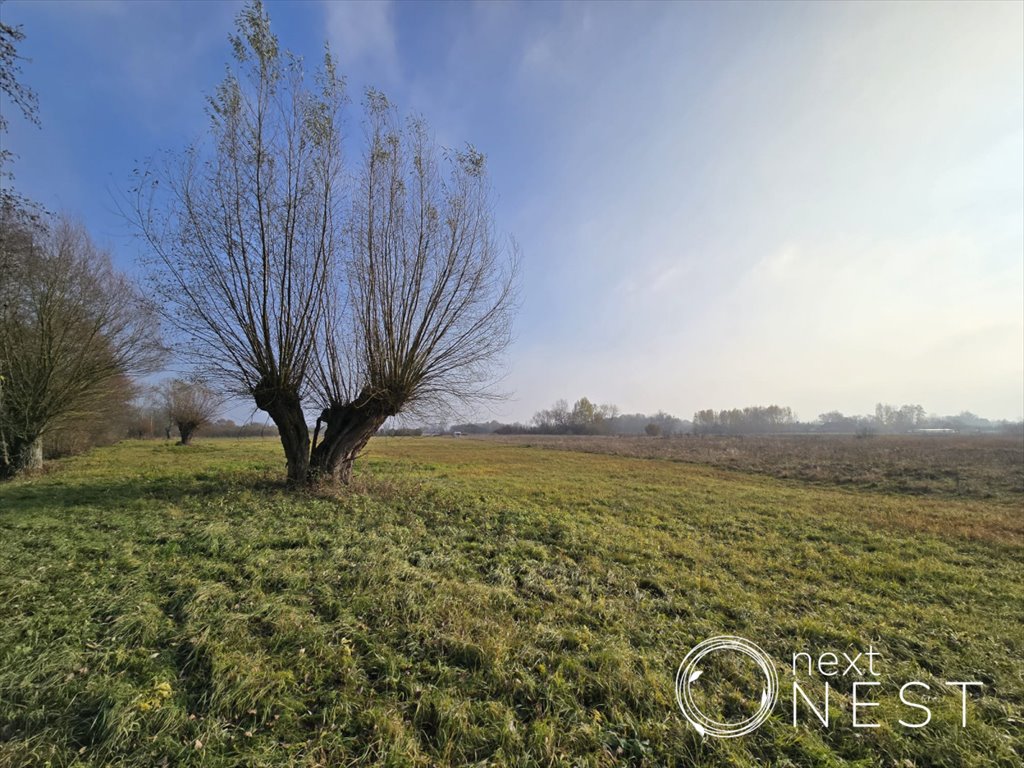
pixel 469 603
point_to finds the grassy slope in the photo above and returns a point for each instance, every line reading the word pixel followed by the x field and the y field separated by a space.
pixel 474 602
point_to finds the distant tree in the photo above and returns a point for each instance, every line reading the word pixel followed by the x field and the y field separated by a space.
pixel 966 421
pixel 516 428
pixel 584 418
pixel 559 415
pixel 189 405
pixel 557 418
pixel 652 429
pixel 835 421
pixel 884 415
pixel 705 422
pixel 740 421
pixel 892 419
pixel 70 327
pixel 228 428
pixel 584 413
pixel 910 417
pixel 402 432
pixel 669 425
pixel 485 428
pixel 832 418
pixel 354 303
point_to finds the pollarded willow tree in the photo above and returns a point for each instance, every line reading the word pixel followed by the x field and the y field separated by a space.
pixel 189 405
pixel 345 296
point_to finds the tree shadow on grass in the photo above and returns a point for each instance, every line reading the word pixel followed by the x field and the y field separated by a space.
pixel 49 493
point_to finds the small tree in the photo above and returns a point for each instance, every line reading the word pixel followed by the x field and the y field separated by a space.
pixel 653 429
pixel 347 305
pixel 189 405
pixel 70 328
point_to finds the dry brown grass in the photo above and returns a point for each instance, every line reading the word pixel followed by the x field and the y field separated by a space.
pixel 975 466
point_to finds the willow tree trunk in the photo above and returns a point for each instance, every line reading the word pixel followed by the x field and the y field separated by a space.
pixel 31 459
pixel 186 431
pixel 285 408
pixel 349 428
pixel 24 456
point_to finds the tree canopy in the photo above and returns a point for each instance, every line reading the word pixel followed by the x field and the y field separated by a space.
pixel 71 328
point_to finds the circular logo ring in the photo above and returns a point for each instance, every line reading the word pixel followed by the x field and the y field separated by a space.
pixel 688 673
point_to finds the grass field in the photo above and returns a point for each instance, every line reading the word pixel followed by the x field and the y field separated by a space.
pixel 469 602
pixel 971 466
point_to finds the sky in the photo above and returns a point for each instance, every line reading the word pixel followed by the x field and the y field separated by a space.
pixel 819 205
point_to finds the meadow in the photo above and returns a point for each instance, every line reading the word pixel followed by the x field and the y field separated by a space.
pixel 974 466
pixel 476 602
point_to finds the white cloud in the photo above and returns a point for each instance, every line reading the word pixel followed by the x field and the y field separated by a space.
pixel 555 51
pixel 364 33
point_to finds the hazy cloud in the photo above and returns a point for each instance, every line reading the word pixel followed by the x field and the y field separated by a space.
pixel 363 33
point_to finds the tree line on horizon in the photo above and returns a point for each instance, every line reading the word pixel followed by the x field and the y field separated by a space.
pixel 586 418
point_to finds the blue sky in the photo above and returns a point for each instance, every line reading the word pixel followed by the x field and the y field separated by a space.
pixel 718 205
